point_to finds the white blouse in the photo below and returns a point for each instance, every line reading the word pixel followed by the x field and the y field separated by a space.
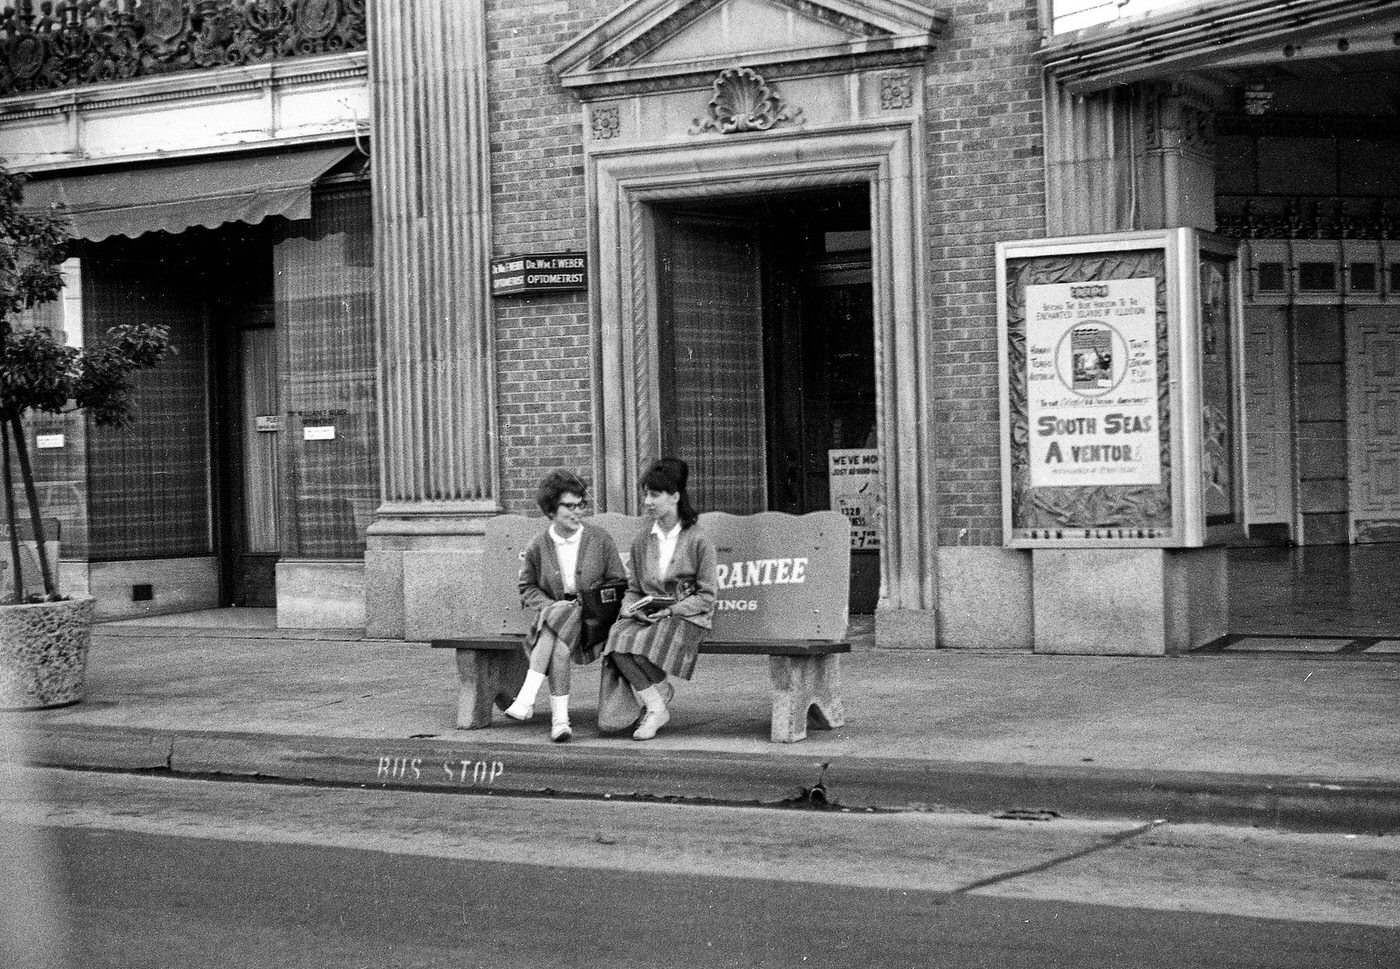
pixel 667 543
pixel 567 550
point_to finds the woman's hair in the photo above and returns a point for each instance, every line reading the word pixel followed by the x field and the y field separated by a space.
pixel 670 475
pixel 554 486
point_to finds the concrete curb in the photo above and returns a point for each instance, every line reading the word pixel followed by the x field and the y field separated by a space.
pixel 869 783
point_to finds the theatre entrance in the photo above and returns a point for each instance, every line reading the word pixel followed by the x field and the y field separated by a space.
pixel 767 359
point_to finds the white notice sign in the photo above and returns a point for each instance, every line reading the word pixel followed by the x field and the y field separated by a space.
pixel 45 441
pixel 1091 383
pixel 324 432
pixel 855 481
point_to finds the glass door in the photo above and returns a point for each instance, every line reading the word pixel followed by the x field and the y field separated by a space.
pixel 259 433
pixel 711 358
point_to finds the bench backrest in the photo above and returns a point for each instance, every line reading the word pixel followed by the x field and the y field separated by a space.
pixel 781 576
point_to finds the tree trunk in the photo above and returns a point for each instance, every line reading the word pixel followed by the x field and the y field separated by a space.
pixel 31 493
pixel 11 518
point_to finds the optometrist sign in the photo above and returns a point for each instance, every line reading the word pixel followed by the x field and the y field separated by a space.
pixel 1120 390
pixel 539 272
pixel 1091 358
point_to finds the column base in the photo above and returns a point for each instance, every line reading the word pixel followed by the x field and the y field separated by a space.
pixel 422 575
pixel 906 628
pixel 1128 602
pixel 984 598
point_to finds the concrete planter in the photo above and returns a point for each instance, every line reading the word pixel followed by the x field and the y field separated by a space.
pixel 43 653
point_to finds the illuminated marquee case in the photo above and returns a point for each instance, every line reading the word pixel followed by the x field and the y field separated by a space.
pixel 1121 390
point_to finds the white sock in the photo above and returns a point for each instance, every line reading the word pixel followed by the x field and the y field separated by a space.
pixel 526 696
pixel 559 709
pixel 653 700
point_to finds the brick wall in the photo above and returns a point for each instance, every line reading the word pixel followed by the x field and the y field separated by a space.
pixel 985 185
pixel 544 394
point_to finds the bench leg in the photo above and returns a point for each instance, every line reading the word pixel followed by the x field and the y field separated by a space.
pixel 804 685
pixel 486 677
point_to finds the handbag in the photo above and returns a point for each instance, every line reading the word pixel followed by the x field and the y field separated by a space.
pixel 600 605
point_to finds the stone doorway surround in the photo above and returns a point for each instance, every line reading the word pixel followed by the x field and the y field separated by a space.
pixel 626 185
pixel 696 101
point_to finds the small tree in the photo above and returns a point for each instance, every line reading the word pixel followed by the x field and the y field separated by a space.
pixel 39 373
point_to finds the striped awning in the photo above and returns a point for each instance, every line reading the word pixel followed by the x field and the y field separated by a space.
pixel 174 196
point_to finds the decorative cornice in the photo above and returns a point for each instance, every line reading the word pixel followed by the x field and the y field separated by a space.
pixel 702 79
pixel 189 87
pixel 615 57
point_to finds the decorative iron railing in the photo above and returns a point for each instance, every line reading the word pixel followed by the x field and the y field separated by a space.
pixel 1321 217
pixel 51 45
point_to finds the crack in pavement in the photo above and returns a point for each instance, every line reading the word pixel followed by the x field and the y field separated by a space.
pixel 1113 841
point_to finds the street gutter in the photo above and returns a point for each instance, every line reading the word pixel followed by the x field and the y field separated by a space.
pixel 1030 792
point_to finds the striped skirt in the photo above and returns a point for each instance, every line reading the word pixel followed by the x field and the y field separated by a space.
pixel 564 621
pixel 671 643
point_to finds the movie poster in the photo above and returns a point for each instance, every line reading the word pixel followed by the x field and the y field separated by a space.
pixel 1091 368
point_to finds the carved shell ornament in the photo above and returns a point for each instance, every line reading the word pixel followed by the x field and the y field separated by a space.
pixel 744 101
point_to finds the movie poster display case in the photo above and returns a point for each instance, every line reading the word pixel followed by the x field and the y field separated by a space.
pixel 1121 390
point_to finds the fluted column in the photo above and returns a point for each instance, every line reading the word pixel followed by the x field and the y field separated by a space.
pixel 1090 174
pixel 432 314
pixel 432 239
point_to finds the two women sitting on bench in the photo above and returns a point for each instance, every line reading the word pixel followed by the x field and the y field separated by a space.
pixel 665 615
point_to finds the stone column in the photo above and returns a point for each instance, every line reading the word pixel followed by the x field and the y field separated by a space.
pixel 1138 157
pixel 1178 163
pixel 431 198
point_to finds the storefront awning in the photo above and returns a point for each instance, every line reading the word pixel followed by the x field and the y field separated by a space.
pixel 175 196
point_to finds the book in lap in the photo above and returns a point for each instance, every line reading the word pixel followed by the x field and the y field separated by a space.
pixel 651 604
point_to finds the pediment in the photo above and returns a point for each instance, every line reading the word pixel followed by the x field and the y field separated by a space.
pixel 651 41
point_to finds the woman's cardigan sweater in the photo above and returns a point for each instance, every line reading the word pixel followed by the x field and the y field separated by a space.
pixel 540 579
pixel 692 564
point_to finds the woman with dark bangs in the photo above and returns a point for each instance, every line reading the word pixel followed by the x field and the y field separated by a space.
pixel 568 556
pixel 670 599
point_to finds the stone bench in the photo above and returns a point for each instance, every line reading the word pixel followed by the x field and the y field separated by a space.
pixel 798 623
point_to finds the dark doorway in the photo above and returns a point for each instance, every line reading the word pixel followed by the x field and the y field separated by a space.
pixel 248 414
pixel 767 358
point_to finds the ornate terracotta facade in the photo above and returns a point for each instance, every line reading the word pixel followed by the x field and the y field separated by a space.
pixel 50 46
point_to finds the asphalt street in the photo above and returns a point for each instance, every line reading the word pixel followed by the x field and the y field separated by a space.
pixel 137 871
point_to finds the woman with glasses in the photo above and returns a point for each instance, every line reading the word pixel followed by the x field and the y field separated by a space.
pixel 670 598
pixel 566 557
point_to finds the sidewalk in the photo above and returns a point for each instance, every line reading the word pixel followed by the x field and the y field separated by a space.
pixel 1287 741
